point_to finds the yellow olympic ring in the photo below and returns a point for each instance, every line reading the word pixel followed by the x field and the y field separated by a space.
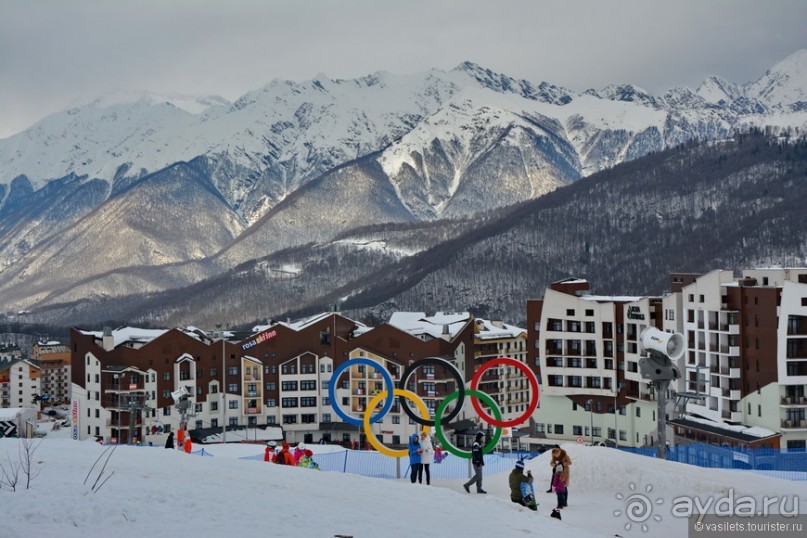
pixel 369 432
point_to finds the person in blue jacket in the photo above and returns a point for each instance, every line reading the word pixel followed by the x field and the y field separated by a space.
pixel 414 459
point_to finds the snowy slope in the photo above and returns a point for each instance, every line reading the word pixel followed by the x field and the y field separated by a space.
pixel 158 492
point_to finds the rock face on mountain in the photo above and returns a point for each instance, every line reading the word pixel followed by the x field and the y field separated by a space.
pixel 147 193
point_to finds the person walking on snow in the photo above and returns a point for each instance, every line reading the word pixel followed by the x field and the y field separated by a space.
pixel 478 462
pixel 426 456
pixel 169 443
pixel 414 459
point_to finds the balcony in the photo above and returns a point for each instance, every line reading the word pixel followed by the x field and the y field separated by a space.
pixel 125 387
pixel 788 424
pixel 793 401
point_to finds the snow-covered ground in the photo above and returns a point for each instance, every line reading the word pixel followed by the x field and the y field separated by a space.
pixel 156 492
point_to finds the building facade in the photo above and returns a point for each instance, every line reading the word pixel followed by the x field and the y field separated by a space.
pixel 280 375
pixel 19 383
pixel 587 348
pixel 747 358
pixel 53 359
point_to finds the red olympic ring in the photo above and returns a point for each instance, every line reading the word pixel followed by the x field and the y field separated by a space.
pixel 533 401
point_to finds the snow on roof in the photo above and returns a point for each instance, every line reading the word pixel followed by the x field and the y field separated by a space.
pixel 11 413
pixel 489 331
pixel 755 431
pixel 611 298
pixel 418 323
pixel 129 334
pixel 303 323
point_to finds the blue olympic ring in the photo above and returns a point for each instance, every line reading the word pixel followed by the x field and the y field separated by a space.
pixel 332 390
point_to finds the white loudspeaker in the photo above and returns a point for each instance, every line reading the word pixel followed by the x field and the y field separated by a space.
pixel 179 394
pixel 670 344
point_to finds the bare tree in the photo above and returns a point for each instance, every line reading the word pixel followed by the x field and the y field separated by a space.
pixel 27 448
pixel 9 474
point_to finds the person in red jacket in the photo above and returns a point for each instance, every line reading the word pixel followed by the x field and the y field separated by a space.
pixel 269 453
pixel 284 457
pixel 188 445
pixel 180 438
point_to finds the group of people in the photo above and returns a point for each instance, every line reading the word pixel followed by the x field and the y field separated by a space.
pixel 183 442
pixel 301 457
pixel 421 456
pixel 559 483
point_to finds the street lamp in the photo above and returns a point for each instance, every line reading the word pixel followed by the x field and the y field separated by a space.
pixel 616 424
pixel 220 334
pixel 591 414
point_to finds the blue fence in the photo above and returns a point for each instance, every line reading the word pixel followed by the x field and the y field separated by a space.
pixel 790 465
pixel 374 464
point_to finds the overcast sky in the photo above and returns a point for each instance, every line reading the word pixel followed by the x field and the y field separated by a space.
pixel 60 53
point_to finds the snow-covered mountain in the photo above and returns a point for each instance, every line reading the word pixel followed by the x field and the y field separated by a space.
pixel 293 163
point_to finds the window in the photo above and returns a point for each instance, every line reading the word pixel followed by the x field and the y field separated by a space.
pixel 288 402
pixel 214 406
pixel 213 373
pixel 271 385
pixel 308 385
pixel 308 401
pixel 289 419
pixel 308 418
pixel 166 411
pixel 326 417
pixel 559 429
pixel 233 387
pixel 288 385
pixel 232 404
pixel 232 370
pixel 570 311
pixel 577 430
pixel 166 376
pixel 271 402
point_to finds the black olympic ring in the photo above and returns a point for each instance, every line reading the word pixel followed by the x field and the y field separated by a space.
pixel 460 388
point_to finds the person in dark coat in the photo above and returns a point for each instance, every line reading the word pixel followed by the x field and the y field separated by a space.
pixel 169 443
pixel 515 479
pixel 478 462
pixel 414 459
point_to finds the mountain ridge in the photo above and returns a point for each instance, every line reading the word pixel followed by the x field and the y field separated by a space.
pixel 295 164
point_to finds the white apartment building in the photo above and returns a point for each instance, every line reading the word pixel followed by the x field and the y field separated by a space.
pixel 747 358
pixel 587 348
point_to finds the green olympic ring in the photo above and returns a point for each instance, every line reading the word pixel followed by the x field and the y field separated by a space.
pixel 438 430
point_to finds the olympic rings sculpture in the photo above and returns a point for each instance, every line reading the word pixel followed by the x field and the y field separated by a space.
pixel 439 419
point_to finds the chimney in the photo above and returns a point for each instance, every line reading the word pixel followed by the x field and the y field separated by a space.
pixel 108 341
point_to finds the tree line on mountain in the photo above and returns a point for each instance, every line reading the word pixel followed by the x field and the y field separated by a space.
pixel 694 208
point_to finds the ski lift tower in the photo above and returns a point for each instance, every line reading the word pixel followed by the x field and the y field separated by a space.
pixel 662 349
